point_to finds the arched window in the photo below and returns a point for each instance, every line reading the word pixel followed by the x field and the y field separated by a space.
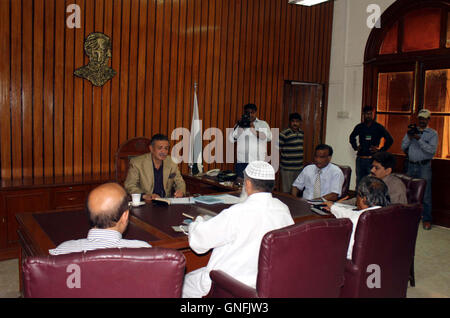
pixel 407 68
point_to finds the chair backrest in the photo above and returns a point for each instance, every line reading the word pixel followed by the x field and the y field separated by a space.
pixel 129 149
pixel 109 273
pixel 415 188
pixel 347 170
pixel 385 239
pixel 304 260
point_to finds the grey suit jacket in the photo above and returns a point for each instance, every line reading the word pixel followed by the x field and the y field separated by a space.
pixel 397 189
pixel 140 177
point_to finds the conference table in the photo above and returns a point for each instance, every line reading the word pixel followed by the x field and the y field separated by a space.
pixel 38 232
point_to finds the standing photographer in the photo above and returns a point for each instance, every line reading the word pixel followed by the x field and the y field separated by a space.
pixel 420 143
pixel 252 135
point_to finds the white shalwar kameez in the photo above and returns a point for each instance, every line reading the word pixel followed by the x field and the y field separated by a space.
pixel 235 235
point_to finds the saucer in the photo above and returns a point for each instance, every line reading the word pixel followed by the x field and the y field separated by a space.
pixel 139 204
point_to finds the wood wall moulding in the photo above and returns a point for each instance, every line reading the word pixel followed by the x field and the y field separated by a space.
pixel 239 51
pixel 440 192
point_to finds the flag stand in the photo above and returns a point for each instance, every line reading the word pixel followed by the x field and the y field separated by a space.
pixel 195 165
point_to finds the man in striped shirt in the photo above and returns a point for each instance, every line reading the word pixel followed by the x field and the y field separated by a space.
pixel 291 152
pixel 107 206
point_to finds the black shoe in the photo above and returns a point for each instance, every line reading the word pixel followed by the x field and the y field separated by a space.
pixel 426 226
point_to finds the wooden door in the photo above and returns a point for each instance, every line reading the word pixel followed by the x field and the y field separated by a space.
pixel 307 100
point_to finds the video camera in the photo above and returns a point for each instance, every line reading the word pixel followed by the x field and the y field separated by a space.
pixel 413 130
pixel 245 121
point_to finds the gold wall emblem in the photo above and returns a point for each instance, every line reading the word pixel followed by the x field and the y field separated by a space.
pixel 97 47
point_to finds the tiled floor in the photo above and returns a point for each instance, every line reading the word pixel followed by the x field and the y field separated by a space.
pixel 9 279
pixel 432 269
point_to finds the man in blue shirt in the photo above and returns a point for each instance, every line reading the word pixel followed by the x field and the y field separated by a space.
pixel 420 146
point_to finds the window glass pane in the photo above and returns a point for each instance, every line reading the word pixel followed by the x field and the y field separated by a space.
pixel 422 30
pixel 389 45
pixel 442 125
pixel 395 91
pixel 437 87
pixel 448 31
pixel 446 138
pixel 397 125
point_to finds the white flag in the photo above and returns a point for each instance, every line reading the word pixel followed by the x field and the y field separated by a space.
pixel 196 147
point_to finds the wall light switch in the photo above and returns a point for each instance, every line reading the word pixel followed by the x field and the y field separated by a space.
pixel 343 114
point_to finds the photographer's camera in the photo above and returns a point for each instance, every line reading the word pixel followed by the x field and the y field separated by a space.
pixel 245 121
pixel 413 130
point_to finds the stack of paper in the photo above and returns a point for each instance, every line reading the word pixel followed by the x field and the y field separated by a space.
pixel 215 199
pixel 188 200
pixel 229 199
pixel 208 199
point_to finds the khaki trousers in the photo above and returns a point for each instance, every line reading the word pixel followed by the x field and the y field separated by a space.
pixel 287 179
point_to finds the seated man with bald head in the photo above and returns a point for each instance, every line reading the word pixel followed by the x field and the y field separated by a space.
pixel 107 206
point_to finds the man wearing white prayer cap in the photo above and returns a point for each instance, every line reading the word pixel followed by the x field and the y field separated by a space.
pixel 235 234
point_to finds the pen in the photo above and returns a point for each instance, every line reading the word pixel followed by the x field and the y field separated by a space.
pixel 187 215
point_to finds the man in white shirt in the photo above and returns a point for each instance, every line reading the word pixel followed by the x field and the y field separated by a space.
pixel 371 193
pixel 252 136
pixel 107 206
pixel 321 179
pixel 235 234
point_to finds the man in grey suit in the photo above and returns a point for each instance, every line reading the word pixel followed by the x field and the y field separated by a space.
pixel 154 174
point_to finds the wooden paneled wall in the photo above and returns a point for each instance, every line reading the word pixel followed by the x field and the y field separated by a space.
pixel 238 51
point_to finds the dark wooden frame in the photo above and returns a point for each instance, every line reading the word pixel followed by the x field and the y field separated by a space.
pixel 373 61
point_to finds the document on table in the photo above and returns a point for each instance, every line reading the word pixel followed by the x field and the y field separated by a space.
pixel 215 199
pixel 228 198
pixel 319 211
pixel 315 202
pixel 347 206
pixel 181 228
pixel 208 199
pixel 187 200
